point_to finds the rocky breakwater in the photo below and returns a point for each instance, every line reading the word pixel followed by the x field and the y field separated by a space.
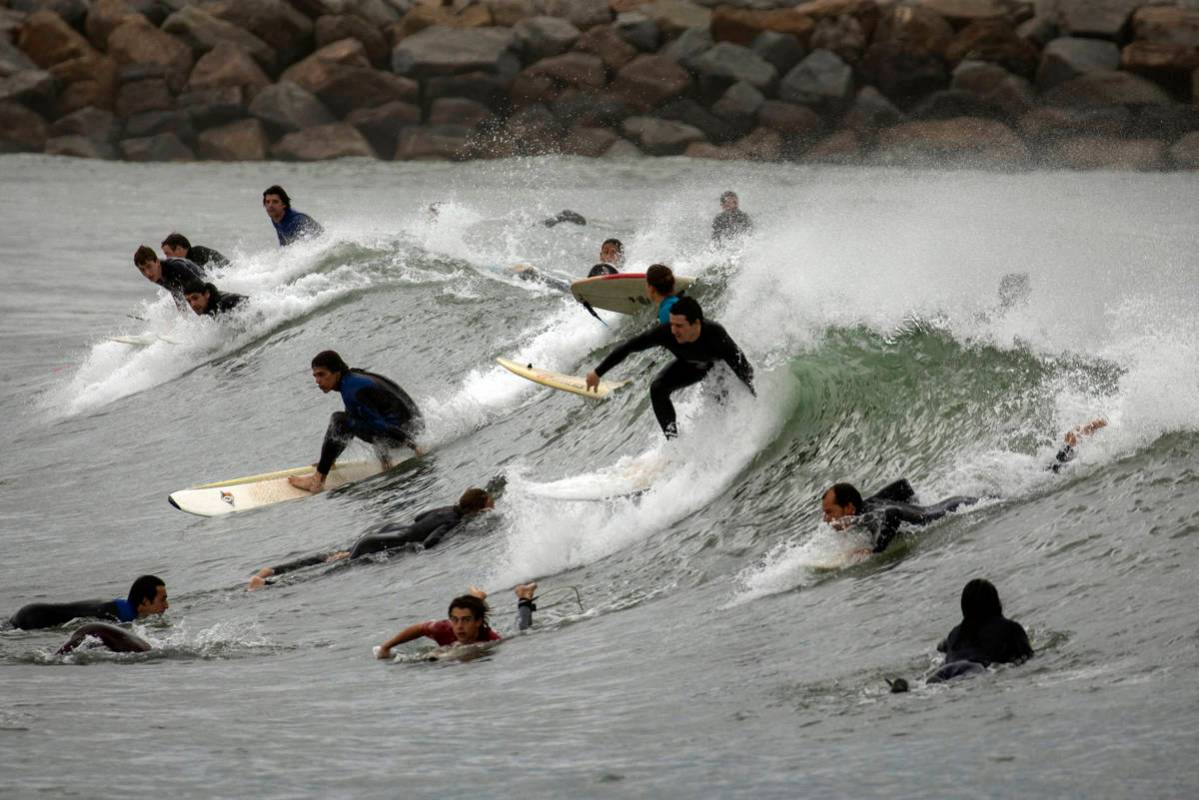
pixel 999 83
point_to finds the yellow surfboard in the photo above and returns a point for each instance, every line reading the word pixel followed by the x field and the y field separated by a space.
pixel 563 383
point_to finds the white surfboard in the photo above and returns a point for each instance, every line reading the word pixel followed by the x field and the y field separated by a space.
pixel 623 293
pixel 563 383
pixel 257 491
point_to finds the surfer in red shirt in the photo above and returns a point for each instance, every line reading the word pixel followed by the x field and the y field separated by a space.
pixel 466 622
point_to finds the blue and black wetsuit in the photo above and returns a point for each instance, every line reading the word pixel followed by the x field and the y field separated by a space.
pixel 50 615
pixel 665 306
pixel 884 512
pixel 377 411
pixel 296 226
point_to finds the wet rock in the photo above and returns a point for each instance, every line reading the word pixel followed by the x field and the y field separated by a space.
pixel 790 120
pixel 963 140
pixel 91 123
pixel 542 37
pixel 580 70
pixel 1046 124
pixel 1095 152
pixel 140 96
pixel 589 111
pixel 782 50
pixel 506 13
pixel 228 65
pixel 623 149
pixel 163 147
pixel 336 27
pixel 380 13
pixel 285 107
pixel 152 123
pixel 589 142
pixel 675 16
pixel 244 140
pixel 661 137
pixel 690 45
pixel 533 131
pixel 841 35
pixel 276 22
pixel 458 111
pixel 87 81
pixel 820 80
pixel 48 40
pixel 950 103
pixel 1167 25
pixel 383 124
pixel 870 112
pixel 104 17
pixel 1038 31
pixel 440 50
pixel 21 130
pixel 137 42
pixel 73 12
pixel 760 144
pixel 1185 152
pixel 1009 93
pixel 1068 57
pixel 336 140
pixel 993 41
pixel 690 112
pixel 638 30
pixel 13 60
pixel 866 12
pixel 727 63
pixel 210 107
pixel 340 76
pixel 605 42
pixel 529 89
pixel 963 12
pixel 76 146
pixel 1096 18
pixel 1164 121
pixel 842 147
pixel 490 90
pixel 906 59
pixel 1106 89
pixel 583 14
pixel 11 23
pixel 742 25
pixel 739 105
pixel 33 87
pixel 1167 64
pixel 202 32
pixel 648 81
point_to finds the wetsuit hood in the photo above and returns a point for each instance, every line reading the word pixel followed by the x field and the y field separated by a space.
pixel 980 601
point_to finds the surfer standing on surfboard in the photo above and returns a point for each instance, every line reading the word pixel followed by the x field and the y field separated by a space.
pixel 696 344
pixel 377 411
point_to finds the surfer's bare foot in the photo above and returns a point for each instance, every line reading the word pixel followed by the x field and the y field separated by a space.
pixel 525 590
pixel 259 579
pixel 309 483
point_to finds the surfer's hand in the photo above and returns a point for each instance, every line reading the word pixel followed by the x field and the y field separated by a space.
pixel 592 380
pixel 382 651
pixel 475 591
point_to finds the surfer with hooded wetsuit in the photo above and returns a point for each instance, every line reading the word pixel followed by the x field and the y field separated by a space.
pixel 377 411
pixel 147 596
pixel 884 512
pixel 983 637
pixel 696 344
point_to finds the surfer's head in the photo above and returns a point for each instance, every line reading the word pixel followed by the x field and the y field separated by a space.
pixel 980 601
pixel 729 201
pixel 468 617
pixel 176 246
pixel 474 500
pixel 148 595
pixel 686 320
pixel 659 282
pixel 146 260
pixel 841 501
pixel 327 369
pixel 612 252
pixel 198 294
pixel 276 202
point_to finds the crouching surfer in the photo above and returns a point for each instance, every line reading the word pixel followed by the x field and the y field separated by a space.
pixel 466 622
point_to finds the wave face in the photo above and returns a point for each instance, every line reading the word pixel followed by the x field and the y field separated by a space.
pixel 705 636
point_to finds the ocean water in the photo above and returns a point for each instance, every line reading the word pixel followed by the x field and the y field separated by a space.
pixel 709 637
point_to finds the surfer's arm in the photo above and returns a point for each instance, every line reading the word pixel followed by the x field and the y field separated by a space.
pixel 738 363
pixel 407 635
pixel 651 338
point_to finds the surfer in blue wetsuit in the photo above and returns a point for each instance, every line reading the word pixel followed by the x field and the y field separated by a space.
pixel 696 344
pixel 147 595
pixel 290 225
pixel 884 512
pixel 377 411
pixel 171 274
pixel 659 288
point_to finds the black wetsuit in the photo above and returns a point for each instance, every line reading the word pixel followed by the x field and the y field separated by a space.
pixel 219 302
pixel 566 215
pixel 177 273
pixel 884 512
pixel 693 361
pixel 377 411
pixel 972 646
pixel 602 269
pixel 730 224
pixel 206 257
pixel 50 615
pixel 1063 457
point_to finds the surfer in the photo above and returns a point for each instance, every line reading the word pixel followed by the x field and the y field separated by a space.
pixel 1070 445
pixel 171 274
pixel 377 411
pixel 427 530
pixel 110 636
pixel 466 621
pixel 983 637
pixel 696 344
pixel 177 246
pixel 206 300
pixel 290 225
pixel 731 222
pixel 659 288
pixel 883 512
pixel 611 259
pixel 147 595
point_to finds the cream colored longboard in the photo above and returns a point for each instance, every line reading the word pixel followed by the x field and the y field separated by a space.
pixel 563 383
pixel 623 293
pixel 257 491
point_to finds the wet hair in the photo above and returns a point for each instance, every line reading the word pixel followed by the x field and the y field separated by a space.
pixel 176 240
pixel 980 601
pixel 193 286
pixel 144 255
pixel 687 307
pixel 616 242
pixel 278 190
pixel 330 360
pixel 729 195
pixel 473 501
pixel 661 278
pixel 143 589
pixel 477 607
pixel 844 494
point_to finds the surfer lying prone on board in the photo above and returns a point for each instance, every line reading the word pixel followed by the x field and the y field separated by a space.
pixel 611 257
pixel 147 596
pixel 466 623
pixel 207 300
pixel 696 344
pixel 884 512
pixel 377 411
pixel 427 530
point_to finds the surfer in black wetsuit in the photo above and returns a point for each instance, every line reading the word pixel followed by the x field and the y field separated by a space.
pixel 697 346
pixel 377 411
pixel 565 215
pixel 611 259
pixel 171 274
pixel 1070 445
pixel 731 222
pixel 427 530
pixel 206 300
pixel 983 637
pixel 177 246
pixel 147 595
pixel 883 512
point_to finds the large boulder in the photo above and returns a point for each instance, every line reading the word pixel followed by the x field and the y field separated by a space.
pixel 506 13
pixel 138 43
pixel 727 63
pixel 795 122
pixel 648 81
pixel 486 88
pixel 1069 56
pixel 542 37
pixel 841 35
pixel 690 112
pixel 1047 123
pixel 963 12
pixel 692 44
pixel 581 70
pixel 104 17
pixel 48 40
pixel 742 25
pixel 440 50
pixel 275 22
pixel 151 123
pixel 202 32
pixel 13 59
pixel 427 16
pixel 870 112
pixel 1096 152
pixel 285 107
pixel 661 137
pixel 75 146
pixel 33 87
pixel 228 65
pixel 324 142
pixel 73 12
pixel 341 76
pixel 244 140
pixel 1106 89
pixel 92 123
pixel 458 111
pixel 1185 152
pixel 605 42
pixel 842 147
pixel 211 107
pixel 962 140
pixel 434 143
pixel 1167 25
pixel 638 30
pixel 1166 63
pixel 995 41
pixel 335 27
pixel 588 142
pixel 583 14
pixel 532 131
pixel 675 16
pixel 136 97
pixel 906 59
pixel 1009 93
pixel 163 147
pixel 586 110
pixel 1105 19
pixel 382 125
pixel 21 130
pixel 782 50
pixel 90 80
pixel 820 80
pixel 739 104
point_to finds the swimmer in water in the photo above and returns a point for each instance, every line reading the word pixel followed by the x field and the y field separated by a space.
pixel 466 623
pixel 731 222
pixel 290 225
pixel 884 512
pixel 1071 441
pixel 659 288
pixel 377 411
pixel 147 596
pixel 983 637
pixel 172 274
pixel 206 300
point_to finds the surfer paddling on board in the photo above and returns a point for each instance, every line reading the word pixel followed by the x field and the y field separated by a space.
pixel 171 274
pixel 884 512
pixel 290 225
pixel 176 245
pixel 696 344
pixel 466 621
pixel 377 411
pixel 206 300
pixel 659 288
pixel 147 596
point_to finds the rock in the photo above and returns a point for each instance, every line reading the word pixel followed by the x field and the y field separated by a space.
pixel 1096 152
pixel 48 40
pixel 228 65
pixel 137 42
pixel 790 120
pixel 423 17
pixel 661 137
pixel 324 142
pixel 152 123
pixel 380 13
pixel 962 140
pixel 727 63
pixel 761 144
pixel 950 103
pixel 638 30
pixel 344 52
pixel 90 123
pixel 1185 152
pixel 583 14
pixel 866 12
pixel 211 107
pixel 1011 94
pixel 1038 31
pixel 589 142
pixel 675 16
pixel 506 13
pixel 542 37
pixel 458 111
pixel 906 59
pixel 163 147
pixel 533 131
pixel 1163 122
pixel 1167 25
pixel 87 81
pixel 490 90
pixel 140 96
pixel 589 111
pixel 21 130
pixel 580 70
pixel 382 125
pixel 276 22
pixel 714 152
pixel 1068 57
pixel 870 112
pixel 432 144
pixel 72 12
pixel 623 149
pixel 440 50
pixel 1106 89
pixel 605 42
pixel 648 81
pixel 689 112
pixel 962 12
pixel 244 140
pixel 340 76
pixel 842 147
pixel 841 35
pixel 104 17
pixel 781 50
pixel 820 80
pixel 690 45
pixel 994 41
pixel 1170 65
pixel 741 25
pixel 1098 18
pixel 202 32
pixel 335 27
pixel 286 107
pixel 529 89
pixel 739 104
pixel 1047 123
pixel 13 60
pixel 11 23
pixel 75 146
pixel 33 87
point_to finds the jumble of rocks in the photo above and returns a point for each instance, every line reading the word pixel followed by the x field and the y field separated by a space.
pixel 1001 83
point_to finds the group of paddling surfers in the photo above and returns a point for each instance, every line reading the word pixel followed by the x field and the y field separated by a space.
pixel 380 413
